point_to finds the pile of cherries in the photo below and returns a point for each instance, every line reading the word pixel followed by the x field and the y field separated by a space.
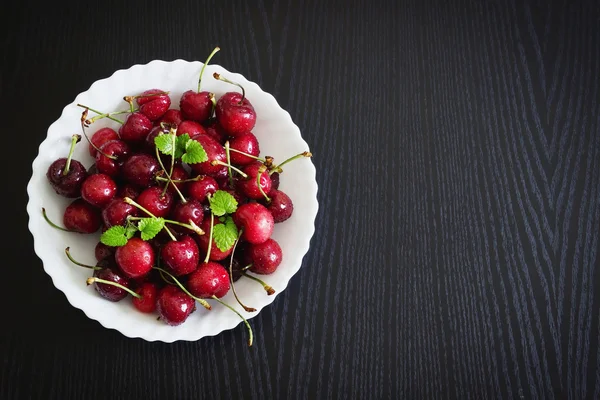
pixel 130 179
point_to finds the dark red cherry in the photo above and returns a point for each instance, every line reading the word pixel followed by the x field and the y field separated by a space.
pixel 215 131
pixel 101 251
pixel 140 170
pixel 136 128
pixel 135 258
pixel 117 211
pixel 111 292
pixel 153 104
pixel 68 185
pixel 192 128
pixel 82 217
pixel 246 143
pixel 274 181
pixel 280 206
pixel 214 151
pixel 98 190
pixel 179 174
pixel 149 293
pixel 196 106
pixel 171 117
pixel 181 257
pixel 265 257
pixel 201 188
pixel 115 148
pixel 149 145
pixel 153 200
pixel 128 190
pixel 191 210
pixel 235 114
pixel 210 279
pixel 100 137
pixel 173 305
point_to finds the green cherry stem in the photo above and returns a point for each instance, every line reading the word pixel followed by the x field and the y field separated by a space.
pixel 97 117
pixel 277 168
pixel 220 78
pixel 191 226
pixel 92 280
pixel 250 335
pixel 194 179
pixel 228 162
pixel 203 302
pixel 216 49
pixel 84 123
pixel 210 236
pixel 74 140
pixel 68 253
pixel 267 288
pixel 247 267
pixel 239 171
pixel 128 200
pixel 261 170
pixel 247 155
pixel 183 200
pixel 231 283
pixel 214 103
pixel 101 113
pixel 52 224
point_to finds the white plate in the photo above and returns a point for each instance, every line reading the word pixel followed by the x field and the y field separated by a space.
pixel 278 136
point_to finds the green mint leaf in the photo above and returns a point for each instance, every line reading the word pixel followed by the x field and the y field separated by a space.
pixel 114 236
pixel 130 230
pixel 150 227
pixel 194 153
pixel 225 234
pixel 164 143
pixel 180 144
pixel 222 202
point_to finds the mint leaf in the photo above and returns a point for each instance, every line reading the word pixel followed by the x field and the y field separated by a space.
pixel 222 202
pixel 115 236
pixel 180 144
pixel 225 234
pixel 130 230
pixel 194 153
pixel 150 227
pixel 164 143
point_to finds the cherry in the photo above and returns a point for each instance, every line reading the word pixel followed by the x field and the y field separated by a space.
pixel 82 217
pixel 136 128
pixel 234 111
pixel 118 150
pixel 153 200
pixel 255 221
pixel 191 210
pixel 181 256
pixel 265 257
pixel 274 182
pixel 210 279
pixel 100 137
pixel 173 305
pixel 201 188
pixel 215 253
pixel 280 206
pixel 215 131
pixel 98 190
pixel 128 190
pixel 198 106
pixel 153 103
pixel 192 128
pixel 215 152
pixel 135 258
pixel 149 144
pixel 102 251
pixel 171 117
pixel 140 169
pixel 245 143
pixel 117 211
pixel 149 293
pixel 249 186
pixel 111 274
pixel 65 174
pixel 179 174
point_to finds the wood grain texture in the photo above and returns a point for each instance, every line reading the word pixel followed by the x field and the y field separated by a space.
pixel 457 147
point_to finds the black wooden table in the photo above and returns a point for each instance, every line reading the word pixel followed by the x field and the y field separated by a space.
pixel 457 146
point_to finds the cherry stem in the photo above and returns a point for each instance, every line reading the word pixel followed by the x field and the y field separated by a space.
pixel 214 103
pixel 261 171
pixel 68 253
pixel 52 224
pixel 194 179
pixel 92 280
pixel 267 288
pixel 203 302
pixel 229 162
pixel 246 154
pixel 277 168
pixel 248 309
pixel 239 171
pixel 250 335
pixel 210 236
pixel 183 200
pixel 97 117
pixel 216 49
pixel 247 267
pixel 74 140
pixel 162 275
pixel 220 78
pixel 129 99
pixel 191 226
pixel 83 125
pixel 101 113
pixel 128 200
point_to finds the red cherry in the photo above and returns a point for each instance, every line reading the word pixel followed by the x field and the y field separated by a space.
pixel 149 293
pixel 214 151
pixel 265 257
pixel 180 256
pixel 153 200
pixel 98 190
pixel 201 188
pixel 215 253
pixel 256 222
pixel 246 143
pixel 153 104
pixel 100 137
pixel 82 217
pixel 114 148
pixel 235 114
pixel 174 306
pixel 249 187
pixel 192 128
pixel 171 117
pixel 135 258
pixel 210 279
pixel 136 128
pixel 116 212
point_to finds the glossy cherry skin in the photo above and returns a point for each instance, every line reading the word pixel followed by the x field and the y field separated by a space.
pixel 149 293
pixel 280 206
pixel 215 253
pixel 234 114
pixel 249 187
pixel 80 216
pixel 135 258
pixel 214 151
pixel 191 210
pixel 128 190
pixel 149 144
pixel 256 222
pixel 171 117
pixel 215 131
pixel 201 188
pixel 115 148
pixel 173 305
pixel 140 170
pixel 153 200
pixel 66 185
pixel 98 190
pixel 117 211
pixel 196 106
pixel 152 104
pixel 210 279
pixel 101 251
pixel 111 274
pixel 246 143
pixel 100 137
pixel 192 128
pixel 181 257
pixel 136 128
pixel 265 257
